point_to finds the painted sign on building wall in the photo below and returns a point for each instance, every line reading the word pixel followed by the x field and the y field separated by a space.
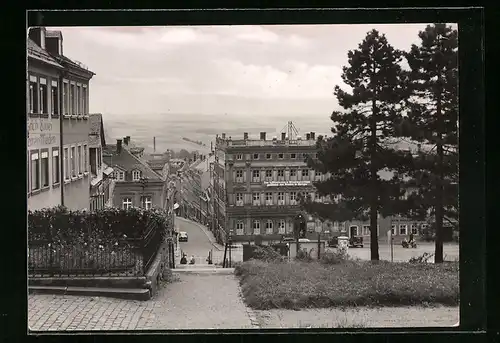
pixel 42 132
pixel 287 183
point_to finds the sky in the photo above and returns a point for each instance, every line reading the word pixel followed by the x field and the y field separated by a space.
pixel 241 70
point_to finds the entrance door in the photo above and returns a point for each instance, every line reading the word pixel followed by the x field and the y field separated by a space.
pixel 353 230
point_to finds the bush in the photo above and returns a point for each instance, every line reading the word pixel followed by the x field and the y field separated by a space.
pixel 295 285
pixel 334 258
pixel 266 253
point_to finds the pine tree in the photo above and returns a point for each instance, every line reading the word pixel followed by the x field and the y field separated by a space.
pixel 358 152
pixel 433 120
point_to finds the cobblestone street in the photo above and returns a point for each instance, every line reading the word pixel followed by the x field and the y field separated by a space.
pixel 193 302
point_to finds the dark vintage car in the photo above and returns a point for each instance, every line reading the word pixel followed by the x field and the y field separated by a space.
pixel 354 242
pixel 183 236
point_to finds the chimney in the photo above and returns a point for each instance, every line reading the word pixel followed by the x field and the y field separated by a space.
pixel 263 136
pixel 154 144
pixel 313 135
pixel 119 146
pixel 308 136
pixel 245 135
pixel 223 135
pixel 283 136
pixel 35 34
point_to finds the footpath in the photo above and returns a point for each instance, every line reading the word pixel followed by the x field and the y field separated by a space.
pixel 191 301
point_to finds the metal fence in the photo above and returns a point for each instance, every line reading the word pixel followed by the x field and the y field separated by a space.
pixel 121 257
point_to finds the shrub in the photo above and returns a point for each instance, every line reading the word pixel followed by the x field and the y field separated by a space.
pixel 266 253
pixel 298 284
pixel 334 258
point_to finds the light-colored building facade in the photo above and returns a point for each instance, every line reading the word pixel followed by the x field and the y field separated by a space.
pixel 263 179
pixel 57 123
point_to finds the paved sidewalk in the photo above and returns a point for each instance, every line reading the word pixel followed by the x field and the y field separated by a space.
pixel 207 232
pixel 194 301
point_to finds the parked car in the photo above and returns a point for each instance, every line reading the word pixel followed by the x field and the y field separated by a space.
pixel 304 240
pixel 356 241
pixel 183 236
pixel 288 239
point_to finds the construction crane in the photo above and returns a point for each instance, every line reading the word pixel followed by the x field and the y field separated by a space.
pixel 290 130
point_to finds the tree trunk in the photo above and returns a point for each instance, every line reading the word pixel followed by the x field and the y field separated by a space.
pixel 438 254
pixel 373 189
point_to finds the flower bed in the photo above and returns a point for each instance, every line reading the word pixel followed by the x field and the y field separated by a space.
pixel 109 241
pixel 298 284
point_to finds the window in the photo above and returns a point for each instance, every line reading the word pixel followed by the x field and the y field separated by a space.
pixel 281 226
pixel 293 172
pixel 269 175
pixel 281 198
pixel 293 198
pixel 280 156
pixel 353 230
pixel 146 202
pixel 424 226
pixel 255 156
pixel 120 176
pixel 269 227
pixel 55 166
pixel 78 100
pixel 268 156
pixel 239 228
pixel 127 203
pixel 43 96
pixel 305 172
pixel 84 100
pixel 44 168
pixel 281 174
pixel 136 175
pixel 256 227
pixel 293 156
pixel 66 164
pixel 318 173
pixel 255 175
pixel 402 229
pixel 35 171
pixel 80 160
pixel 239 176
pixel 366 230
pixel 85 159
pixel 54 98
pixel 239 199
pixel 414 229
pixel 73 162
pixel 33 94
pixel 316 155
pixel 393 229
pixel 269 198
pixel 239 156
pixel 66 98
pixel 72 96
pixel 256 198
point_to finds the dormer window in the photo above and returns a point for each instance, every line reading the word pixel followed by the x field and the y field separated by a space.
pixel 119 175
pixel 136 175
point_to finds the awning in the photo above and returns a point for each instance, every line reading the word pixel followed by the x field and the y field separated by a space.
pixel 108 171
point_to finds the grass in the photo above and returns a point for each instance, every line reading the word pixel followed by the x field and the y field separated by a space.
pixel 296 285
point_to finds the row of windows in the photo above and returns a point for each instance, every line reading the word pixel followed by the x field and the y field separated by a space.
pixel 43 97
pixel 39 175
pixel 403 229
pixel 268 226
pixel 274 198
pixel 75 161
pixel 120 175
pixel 146 202
pixel 294 174
pixel 280 156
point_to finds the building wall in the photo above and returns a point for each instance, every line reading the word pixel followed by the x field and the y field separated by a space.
pixel 43 138
pixel 134 190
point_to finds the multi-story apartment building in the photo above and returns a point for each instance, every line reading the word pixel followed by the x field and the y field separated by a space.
pixel 264 178
pixel 58 127
pixel 136 184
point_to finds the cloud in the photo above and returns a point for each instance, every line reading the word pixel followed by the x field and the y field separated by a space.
pixel 255 34
pixel 294 80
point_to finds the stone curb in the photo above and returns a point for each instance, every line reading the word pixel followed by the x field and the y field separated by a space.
pixel 250 312
pixel 204 229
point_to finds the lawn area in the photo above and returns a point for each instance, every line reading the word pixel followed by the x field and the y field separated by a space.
pixel 297 284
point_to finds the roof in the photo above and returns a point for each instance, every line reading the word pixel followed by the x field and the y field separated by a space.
pixel 36 52
pixel 73 64
pixel 127 161
pixel 96 127
pixel 204 166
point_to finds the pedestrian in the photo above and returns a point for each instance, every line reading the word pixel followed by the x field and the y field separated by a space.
pixel 192 260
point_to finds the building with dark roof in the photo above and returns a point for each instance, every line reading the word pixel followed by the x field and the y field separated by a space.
pixel 136 184
pixel 57 123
